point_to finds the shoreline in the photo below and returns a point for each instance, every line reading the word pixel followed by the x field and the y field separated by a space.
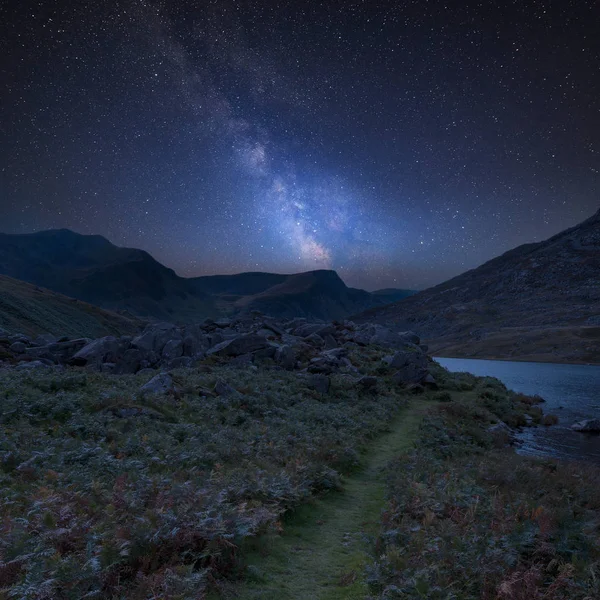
pixel 436 355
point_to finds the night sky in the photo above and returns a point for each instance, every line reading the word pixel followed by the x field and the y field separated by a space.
pixel 399 143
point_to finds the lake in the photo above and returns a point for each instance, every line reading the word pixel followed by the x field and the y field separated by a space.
pixel 572 392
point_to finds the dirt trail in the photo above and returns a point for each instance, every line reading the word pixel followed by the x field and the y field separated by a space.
pixel 323 551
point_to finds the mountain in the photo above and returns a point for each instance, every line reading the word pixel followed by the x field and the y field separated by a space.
pixel 92 269
pixel 31 310
pixel 539 301
pixel 389 295
pixel 240 284
pixel 315 295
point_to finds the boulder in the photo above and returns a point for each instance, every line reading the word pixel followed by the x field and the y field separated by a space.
pixel 172 349
pixel 106 349
pixel 347 365
pixel 17 347
pixel 130 362
pixel 285 356
pixel 180 362
pixel 405 357
pixel 33 364
pixel 334 353
pixel 587 426
pixel 500 427
pixel 19 337
pixel 195 341
pixel 146 371
pixel 430 382
pixel 215 338
pixel 294 324
pixel 328 329
pixel 242 344
pixel 268 352
pixel 222 388
pixel 223 323
pixel 273 327
pixel 410 337
pixel 44 339
pixel 41 353
pixel 63 351
pixel 411 367
pixel 410 373
pixel 315 340
pixel 155 336
pixel 159 384
pixel 265 332
pixel 330 342
pixel 322 365
pixel 307 329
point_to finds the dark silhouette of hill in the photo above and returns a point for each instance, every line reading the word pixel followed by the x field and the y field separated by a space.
pixel 316 294
pixel 539 301
pixel 92 269
pixel 32 310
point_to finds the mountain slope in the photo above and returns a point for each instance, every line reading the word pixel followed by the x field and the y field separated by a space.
pixel 315 295
pixel 90 268
pixel 389 295
pixel 539 302
pixel 31 310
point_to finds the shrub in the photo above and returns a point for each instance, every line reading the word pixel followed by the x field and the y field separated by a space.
pixel 114 495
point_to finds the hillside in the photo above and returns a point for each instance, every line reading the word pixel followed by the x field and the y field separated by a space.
pixel 92 269
pixel 389 295
pixel 132 471
pixel 315 294
pixel 537 302
pixel 31 310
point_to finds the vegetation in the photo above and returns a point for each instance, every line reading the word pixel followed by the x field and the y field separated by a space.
pixel 31 310
pixel 469 519
pixel 110 494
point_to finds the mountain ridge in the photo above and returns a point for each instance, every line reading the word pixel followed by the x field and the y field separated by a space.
pixel 539 301
pixel 32 310
pixel 92 269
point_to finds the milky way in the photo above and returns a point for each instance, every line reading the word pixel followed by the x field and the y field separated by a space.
pixel 398 143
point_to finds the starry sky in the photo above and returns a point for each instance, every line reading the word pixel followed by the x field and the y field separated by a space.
pixel 399 143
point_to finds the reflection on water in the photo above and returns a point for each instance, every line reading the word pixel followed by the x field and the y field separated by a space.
pixel 572 392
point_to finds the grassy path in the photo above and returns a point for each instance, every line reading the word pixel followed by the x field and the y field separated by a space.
pixel 324 548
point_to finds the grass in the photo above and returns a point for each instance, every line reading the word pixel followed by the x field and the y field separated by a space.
pixel 107 493
pixel 31 310
pixel 278 491
pixel 468 519
pixel 323 549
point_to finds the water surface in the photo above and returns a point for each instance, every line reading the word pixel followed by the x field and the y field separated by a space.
pixel 572 392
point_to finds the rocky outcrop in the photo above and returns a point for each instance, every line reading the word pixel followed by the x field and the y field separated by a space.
pixel 587 426
pixel 314 350
pixel 159 384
